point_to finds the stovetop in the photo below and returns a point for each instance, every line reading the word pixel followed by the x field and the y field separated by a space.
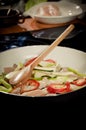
pixel 76 39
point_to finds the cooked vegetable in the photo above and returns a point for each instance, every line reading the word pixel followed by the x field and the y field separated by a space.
pixel 28 62
pixel 80 82
pixel 59 88
pixel 48 78
pixel 5 86
pixel 30 85
pixel 76 72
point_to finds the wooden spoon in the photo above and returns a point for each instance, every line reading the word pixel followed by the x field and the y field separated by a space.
pixel 25 73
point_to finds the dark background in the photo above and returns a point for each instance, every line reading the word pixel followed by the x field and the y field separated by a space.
pixel 19 107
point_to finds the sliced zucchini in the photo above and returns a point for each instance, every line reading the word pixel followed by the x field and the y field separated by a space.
pixel 51 69
pixel 40 74
pixel 46 64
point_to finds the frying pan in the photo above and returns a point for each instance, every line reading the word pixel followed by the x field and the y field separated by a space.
pixel 64 55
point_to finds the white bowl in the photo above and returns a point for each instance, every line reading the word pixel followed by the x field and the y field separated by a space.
pixel 68 10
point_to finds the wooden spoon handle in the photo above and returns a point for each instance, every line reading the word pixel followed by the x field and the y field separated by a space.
pixel 51 47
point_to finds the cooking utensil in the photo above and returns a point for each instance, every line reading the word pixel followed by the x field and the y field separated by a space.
pixel 8 12
pixel 9 17
pixel 27 71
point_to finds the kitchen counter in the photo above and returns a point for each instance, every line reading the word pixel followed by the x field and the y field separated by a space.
pixel 31 24
pixel 23 35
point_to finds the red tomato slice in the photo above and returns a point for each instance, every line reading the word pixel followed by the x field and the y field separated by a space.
pixel 29 61
pixel 50 60
pixel 80 82
pixel 30 85
pixel 32 59
pixel 33 82
pixel 58 88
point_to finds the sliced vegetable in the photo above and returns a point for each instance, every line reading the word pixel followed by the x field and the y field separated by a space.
pixel 50 69
pixel 3 89
pixel 47 63
pixel 51 61
pixel 28 62
pixel 48 78
pixel 58 88
pixel 19 66
pixel 39 74
pixel 5 86
pixel 30 85
pixel 80 82
pixel 76 72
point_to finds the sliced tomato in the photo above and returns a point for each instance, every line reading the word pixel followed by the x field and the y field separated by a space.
pixel 29 61
pixel 30 85
pixel 50 60
pixel 80 82
pixel 58 88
